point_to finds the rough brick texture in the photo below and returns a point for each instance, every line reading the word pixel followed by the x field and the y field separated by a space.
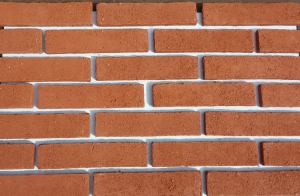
pixel 253 183
pixel 20 41
pixel 46 14
pixel 16 96
pixel 17 126
pixel 252 123
pixel 281 153
pixel 17 156
pixel 45 184
pixel 203 94
pixel 84 155
pixel 94 41
pixel 251 14
pixel 91 96
pixel 136 14
pixel 246 67
pixel 203 40
pixel 147 124
pixel 45 69
pixel 278 41
pixel 147 68
pixel 166 154
pixel 280 95
pixel 153 183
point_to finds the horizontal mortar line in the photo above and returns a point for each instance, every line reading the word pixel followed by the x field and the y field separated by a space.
pixel 149 169
pixel 149 53
pixel 158 109
pixel 169 27
pixel 147 139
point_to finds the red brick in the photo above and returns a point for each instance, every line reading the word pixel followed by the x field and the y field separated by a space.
pixel 281 153
pixel 253 183
pixel 45 69
pixel 45 184
pixel 203 94
pixel 91 96
pixel 251 67
pixel 251 14
pixel 278 41
pixel 145 183
pixel 147 14
pixel 17 156
pixel 83 155
pixel 147 68
pixel 166 154
pixel 17 126
pixel 96 41
pixel 21 41
pixel 46 14
pixel 204 40
pixel 280 95
pixel 16 95
pixel 252 123
pixel 147 124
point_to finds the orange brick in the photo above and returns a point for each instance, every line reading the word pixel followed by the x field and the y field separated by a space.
pixel 16 95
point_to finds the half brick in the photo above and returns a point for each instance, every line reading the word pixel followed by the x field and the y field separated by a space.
pixel 20 41
pixel 281 153
pixel 253 183
pixel 91 96
pixel 166 154
pixel 147 124
pixel 96 41
pixel 46 14
pixel 147 14
pixel 251 14
pixel 203 41
pixel 45 69
pixel 84 155
pixel 251 67
pixel 280 95
pixel 16 95
pixel 203 94
pixel 252 123
pixel 45 184
pixel 148 183
pixel 147 68
pixel 18 126
pixel 17 156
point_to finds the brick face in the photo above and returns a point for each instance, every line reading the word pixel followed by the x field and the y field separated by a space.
pixel 203 41
pixel 45 69
pixel 83 155
pixel 147 68
pixel 16 95
pixel 47 185
pixel 280 153
pixel 252 123
pixel 17 126
pixel 143 183
pixel 147 124
pixel 45 14
pixel 253 183
pixel 17 156
pixel 166 154
pixel 203 94
pixel 20 41
pixel 94 41
pixel 280 95
pixel 137 14
pixel 251 14
pixel 90 96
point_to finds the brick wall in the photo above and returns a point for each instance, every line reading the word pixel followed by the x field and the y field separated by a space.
pixel 149 99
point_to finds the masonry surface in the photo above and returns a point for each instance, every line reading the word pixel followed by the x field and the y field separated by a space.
pixel 149 99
